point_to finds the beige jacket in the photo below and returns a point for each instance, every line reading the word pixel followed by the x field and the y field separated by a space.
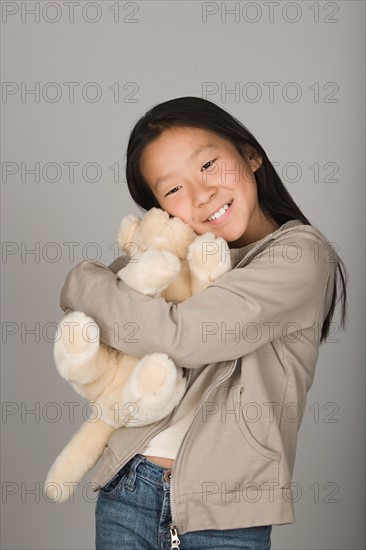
pixel 250 344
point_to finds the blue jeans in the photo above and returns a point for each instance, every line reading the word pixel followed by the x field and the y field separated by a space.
pixel 133 513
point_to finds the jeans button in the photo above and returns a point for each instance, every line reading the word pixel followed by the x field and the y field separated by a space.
pixel 167 475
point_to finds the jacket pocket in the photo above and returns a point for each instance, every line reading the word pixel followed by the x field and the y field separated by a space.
pixel 261 461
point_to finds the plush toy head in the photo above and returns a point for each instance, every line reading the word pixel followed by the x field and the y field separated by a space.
pixel 156 229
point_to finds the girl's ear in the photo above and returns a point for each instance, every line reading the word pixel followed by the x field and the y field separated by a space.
pixel 253 158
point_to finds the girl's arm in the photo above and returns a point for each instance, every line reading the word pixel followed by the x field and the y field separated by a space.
pixel 285 289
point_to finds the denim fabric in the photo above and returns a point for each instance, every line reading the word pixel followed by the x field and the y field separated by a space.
pixel 133 513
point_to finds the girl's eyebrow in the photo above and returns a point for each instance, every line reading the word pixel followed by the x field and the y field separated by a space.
pixel 193 155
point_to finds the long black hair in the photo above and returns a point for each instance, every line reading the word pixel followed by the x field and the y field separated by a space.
pixel 273 197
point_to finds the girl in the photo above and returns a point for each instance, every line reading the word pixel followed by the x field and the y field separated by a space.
pixel 217 472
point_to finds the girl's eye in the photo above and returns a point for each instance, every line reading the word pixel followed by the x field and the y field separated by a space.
pixel 172 191
pixel 209 163
pixel 175 189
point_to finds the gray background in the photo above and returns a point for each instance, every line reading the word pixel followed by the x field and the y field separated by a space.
pixel 157 51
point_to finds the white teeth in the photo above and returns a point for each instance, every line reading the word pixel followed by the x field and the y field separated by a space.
pixel 219 213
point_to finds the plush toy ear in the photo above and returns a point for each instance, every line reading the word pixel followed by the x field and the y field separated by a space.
pixel 127 228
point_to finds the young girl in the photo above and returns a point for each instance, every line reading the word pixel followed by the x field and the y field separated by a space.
pixel 216 473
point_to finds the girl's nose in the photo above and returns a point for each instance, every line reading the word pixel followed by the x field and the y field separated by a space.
pixel 202 194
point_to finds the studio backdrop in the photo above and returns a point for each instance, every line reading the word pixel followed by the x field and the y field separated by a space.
pixel 76 76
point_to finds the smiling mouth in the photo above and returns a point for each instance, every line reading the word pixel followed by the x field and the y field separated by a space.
pixel 219 213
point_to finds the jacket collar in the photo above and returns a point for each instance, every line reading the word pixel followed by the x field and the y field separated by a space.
pixel 237 254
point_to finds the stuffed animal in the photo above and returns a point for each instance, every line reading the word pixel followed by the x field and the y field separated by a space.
pixel 166 258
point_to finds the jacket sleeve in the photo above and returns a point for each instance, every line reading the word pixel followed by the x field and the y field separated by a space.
pixel 115 266
pixel 275 295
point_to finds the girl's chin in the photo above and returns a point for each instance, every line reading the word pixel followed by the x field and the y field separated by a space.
pixel 235 241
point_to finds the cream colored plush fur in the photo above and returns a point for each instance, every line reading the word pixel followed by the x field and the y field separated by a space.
pixel 166 259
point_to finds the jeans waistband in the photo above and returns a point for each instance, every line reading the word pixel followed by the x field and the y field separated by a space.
pixel 155 473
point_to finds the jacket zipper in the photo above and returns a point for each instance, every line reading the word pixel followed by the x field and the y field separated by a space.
pixel 174 539
pixel 172 525
pixel 251 252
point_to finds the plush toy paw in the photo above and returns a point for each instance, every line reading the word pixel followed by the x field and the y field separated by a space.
pixel 209 257
pixel 59 485
pixel 152 273
pixel 56 491
pixel 154 387
pixel 76 342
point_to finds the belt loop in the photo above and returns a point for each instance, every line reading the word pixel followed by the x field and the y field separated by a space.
pixel 131 475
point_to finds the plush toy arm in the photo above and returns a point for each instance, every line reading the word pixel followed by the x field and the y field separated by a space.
pixel 77 459
pixel 208 258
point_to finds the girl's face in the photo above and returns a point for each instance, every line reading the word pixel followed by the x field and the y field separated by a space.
pixel 200 177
